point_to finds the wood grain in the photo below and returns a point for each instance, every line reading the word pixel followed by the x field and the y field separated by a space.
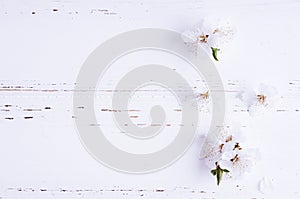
pixel 42 47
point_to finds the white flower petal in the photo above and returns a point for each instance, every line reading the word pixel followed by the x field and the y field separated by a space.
pixel 259 100
pixel 256 110
pixel 211 162
pixel 249 97
pixel 265 185
pixel 228 147
pixel 224 164
pixel 189 37
pixel 267 90
pixel 218 33
pixel 251 154
pixel 227 155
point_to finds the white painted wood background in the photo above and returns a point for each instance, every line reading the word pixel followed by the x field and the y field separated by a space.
pixel 42 47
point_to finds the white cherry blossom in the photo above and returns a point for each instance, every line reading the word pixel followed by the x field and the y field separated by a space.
pixel 239 162
pixel 258 100
pixel 228 157
pixel 210 34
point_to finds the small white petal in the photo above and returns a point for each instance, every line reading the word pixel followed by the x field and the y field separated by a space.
pixel 251 154
pixel 189 37
pixel 249 97
pixel 228 146
pixel 267 90
pixel 227 155
pixel 265 185
pixel 211 162
pixel 224 164
pixel 257 109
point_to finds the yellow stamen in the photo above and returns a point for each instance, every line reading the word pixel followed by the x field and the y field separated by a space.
pixel 261 98
pixel 237 146
pixel 204 95
pixel 229 139
pixel 202 38
pixel 221 147
pixel 235 159
pixel 215 31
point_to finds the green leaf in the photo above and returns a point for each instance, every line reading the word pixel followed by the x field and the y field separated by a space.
pixel 218 172
pixel 214 172
pixel 219 176
pixel 215 53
